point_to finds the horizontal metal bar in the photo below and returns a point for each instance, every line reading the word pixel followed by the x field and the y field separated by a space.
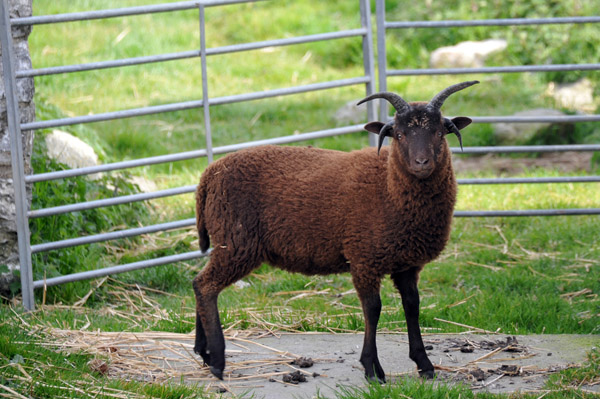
pixel 284 140
pixel 526 148
pixel 25 73
pixel 536 119
pixel 493 69
pixel 532 119
pixel 529 212
pixel 290 139
pixel 69 278
pixel 113 115
pixel 190 154
pixel 530 180
pixel 289 90
pixel 199 254
pixel 134 163
pixel 490 22
pixel 182 156
pixel 113 235
pixel 275 93
pixel 192 104
pixel 122 12
pixel 125 199
pixel 286 42
pixel 188 54
pixel 49 246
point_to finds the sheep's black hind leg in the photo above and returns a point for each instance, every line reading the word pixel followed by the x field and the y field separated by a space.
pixel 367 288
pixel 406 282
pixel 222 270
pixel 210 342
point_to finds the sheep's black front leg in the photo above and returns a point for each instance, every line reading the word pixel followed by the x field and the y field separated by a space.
pixel 367 288
pixel 406 282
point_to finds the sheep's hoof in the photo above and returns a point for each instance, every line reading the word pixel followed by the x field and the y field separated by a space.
pixel 217 372
pixel 373 371
pixel 428 374
pixel 378 376
pixel 375 379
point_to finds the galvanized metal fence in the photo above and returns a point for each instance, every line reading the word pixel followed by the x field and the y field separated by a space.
pixel 21 179
pixel 368 80
pixel 383 26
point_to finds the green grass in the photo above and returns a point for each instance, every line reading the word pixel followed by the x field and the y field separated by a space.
pixel 413 388
pixel 31 365
pixel 512 275
pixel 579 376
pixel 82 93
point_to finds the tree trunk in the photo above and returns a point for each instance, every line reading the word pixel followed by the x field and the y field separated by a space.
pixel 9 255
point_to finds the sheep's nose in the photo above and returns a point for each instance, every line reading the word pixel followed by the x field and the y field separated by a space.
pixel 422 161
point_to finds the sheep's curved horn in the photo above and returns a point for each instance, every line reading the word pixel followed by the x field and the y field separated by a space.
pixel 398 102
pixel 437 101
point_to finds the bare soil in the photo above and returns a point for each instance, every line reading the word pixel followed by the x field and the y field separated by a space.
pixel 564 162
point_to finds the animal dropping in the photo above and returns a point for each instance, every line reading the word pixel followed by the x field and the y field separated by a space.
pixel 372 213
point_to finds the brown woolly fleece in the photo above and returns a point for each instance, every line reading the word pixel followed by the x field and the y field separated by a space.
pixel 316 211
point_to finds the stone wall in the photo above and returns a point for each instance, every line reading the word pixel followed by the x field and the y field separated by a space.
pixel 8 236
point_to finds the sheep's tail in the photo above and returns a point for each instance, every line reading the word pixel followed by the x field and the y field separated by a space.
pixel 203 238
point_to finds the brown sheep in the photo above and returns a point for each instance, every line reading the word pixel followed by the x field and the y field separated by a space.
pixel 316 211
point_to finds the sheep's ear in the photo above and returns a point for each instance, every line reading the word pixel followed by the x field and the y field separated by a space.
pixel 374 127
pixel 461 122
pixel 383 130
pixel 454 126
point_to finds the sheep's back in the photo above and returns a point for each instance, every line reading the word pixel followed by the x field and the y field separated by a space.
pixel 288 203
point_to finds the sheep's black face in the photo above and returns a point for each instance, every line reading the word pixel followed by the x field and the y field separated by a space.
pixel 421 141
pixel 420 134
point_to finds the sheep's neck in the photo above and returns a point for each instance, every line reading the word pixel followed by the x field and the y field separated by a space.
pixel 421 212
pixel 436 194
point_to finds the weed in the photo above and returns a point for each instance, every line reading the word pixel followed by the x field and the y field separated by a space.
pixel 33 366
pixel 65 226
pixel 589 374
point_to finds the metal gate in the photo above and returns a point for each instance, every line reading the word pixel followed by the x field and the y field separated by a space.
pixel 383 26
pixel 204 52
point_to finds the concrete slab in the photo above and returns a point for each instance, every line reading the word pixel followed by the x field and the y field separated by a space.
pixel 259 366
pixel 336 363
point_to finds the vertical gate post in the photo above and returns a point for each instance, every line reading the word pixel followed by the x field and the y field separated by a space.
pixel 17 159
pixel 381 56
pixel 368 61
pixel 205 104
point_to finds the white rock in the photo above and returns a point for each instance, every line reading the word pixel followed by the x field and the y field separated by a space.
pixel 70 150
pixel 350 113
pixel 466 54
pixel 241 284
pixel 578 96
pixel 145 185
pixel 520 133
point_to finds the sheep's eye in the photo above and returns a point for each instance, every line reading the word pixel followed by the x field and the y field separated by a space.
pixel 439 134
